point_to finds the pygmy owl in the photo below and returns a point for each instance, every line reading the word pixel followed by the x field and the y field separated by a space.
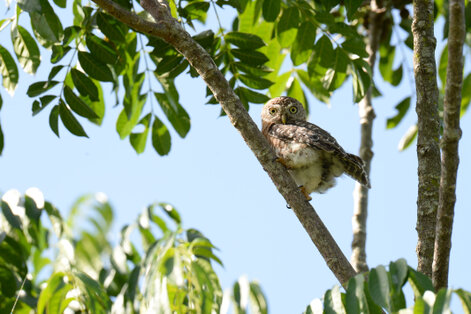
pixel 311 155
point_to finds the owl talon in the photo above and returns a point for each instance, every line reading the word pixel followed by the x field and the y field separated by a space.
pixel 306 194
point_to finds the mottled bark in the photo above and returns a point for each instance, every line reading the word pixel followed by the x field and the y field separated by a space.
pixel 367 115
pixel 450 140
pixel 171 31
pixel 428 150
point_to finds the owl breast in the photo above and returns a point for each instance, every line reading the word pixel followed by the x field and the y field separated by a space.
pixel 313 169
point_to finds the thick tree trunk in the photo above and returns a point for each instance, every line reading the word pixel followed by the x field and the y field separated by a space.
pixel 428 150
pixel 167 28
pixel 451 137
pixel 367 115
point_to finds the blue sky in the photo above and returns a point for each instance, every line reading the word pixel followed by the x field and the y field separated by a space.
pixel 215 182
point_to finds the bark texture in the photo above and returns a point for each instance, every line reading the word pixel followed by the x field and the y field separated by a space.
pixel 167 28
pixel 450 140
pixel 428 150
pixel 367 115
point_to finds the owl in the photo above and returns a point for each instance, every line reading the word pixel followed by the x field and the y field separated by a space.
pixel 311 155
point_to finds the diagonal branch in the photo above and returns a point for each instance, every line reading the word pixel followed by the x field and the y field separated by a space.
pixel 171 31
pixel 450 140
pixel 428 150
pixel 367 115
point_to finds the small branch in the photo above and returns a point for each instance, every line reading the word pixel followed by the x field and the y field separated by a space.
pixel 428 150
pixel 168 29
pixel 367 115
pixel 450 140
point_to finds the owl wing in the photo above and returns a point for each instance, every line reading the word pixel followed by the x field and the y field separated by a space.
pixel 310 134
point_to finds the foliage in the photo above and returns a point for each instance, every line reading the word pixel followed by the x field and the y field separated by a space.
pixel 54 264
pixel 380 291
pixel 91 49
pixel 397 40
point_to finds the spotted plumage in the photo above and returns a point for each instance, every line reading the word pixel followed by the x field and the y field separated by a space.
pixel 312 155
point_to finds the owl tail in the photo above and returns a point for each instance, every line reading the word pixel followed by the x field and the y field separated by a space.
pixel 355 168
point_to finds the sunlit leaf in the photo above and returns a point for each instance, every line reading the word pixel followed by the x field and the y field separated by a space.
pixel 139 140
pixel 26 49
pixel 251 57
pixel 8 70
pixel 302 46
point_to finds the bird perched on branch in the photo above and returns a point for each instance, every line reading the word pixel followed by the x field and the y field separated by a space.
pixel 311 155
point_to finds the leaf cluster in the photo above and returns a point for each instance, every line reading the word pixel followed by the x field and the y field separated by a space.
pixel 382 291
pixel 73 265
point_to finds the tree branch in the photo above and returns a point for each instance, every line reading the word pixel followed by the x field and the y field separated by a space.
pixel 171 31
pixel 428 151
pixel 450 140
pixel 367 115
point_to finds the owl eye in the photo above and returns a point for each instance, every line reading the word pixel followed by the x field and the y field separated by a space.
pixel 293 109
pixel 272 111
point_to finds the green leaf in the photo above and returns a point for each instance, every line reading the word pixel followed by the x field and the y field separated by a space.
pixel 101 50
pixel 333 301
pixel 171 212
pixel 379 287
pixel 465 94
pixel 54 120
pixel 386 62
pixel 361 75
pixel 52 297
pixel 84 84
pixel 2 140
pixel 258 299
pixel 168 63
pixel 419 282
pixel 408 138
pixel 315 86
pixel 443 64
pixel 58 52
pixel 78 105
pixel 271 9
pixel 94 68
pixel 109 26
pixel 178 118
pixel 196 10
pixel 295 91
pixel 244 40
pixel 352 7
pixel 61 3
pixel 46 25
pixel 323 57
pixel 402 109
pixel 139 140
pixel 355 45
pixel 250 57
pixel 252 96
pixel 55 69
pixel 398 277
pixel 255 82
pixel 289 19
pixel 124 125
pixel 302 46
pixel 465 298
pixel 39 106
pixel 280 84
pixel 336 75
pixel 442 301
pixel 160 137
pixel 26 49
pixel 29 5
pixel 38 88
pixel 253 70
pixel 8 70
pixel 70 122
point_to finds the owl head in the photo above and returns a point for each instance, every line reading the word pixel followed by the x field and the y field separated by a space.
pixel 283 110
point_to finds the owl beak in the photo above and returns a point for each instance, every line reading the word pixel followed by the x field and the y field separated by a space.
pixel 283 118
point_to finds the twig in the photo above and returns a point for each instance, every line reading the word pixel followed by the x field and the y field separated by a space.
pixel 450 140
